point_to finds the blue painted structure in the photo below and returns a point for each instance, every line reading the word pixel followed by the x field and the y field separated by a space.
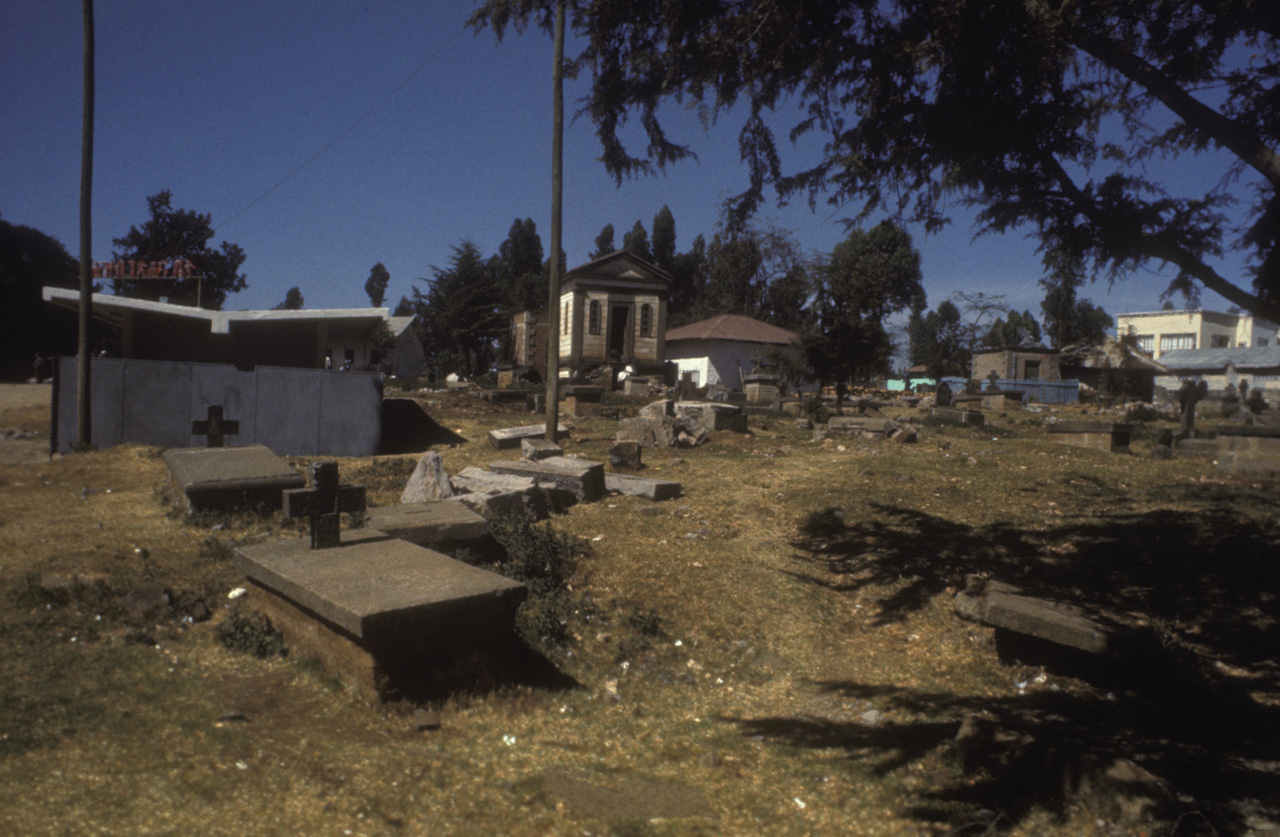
pixel 1043 392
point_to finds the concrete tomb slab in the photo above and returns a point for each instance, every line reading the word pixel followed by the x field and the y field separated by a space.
pixel 216 479
pixel 436 524
pixel 511 437
pixel 1100 435
pixel 584 480
pixel 380 613
pixel 650 489
pixel 1001 401
pixel 714 415
pixel 860 424
pixel 1249 449
pixel 491 494
pixel 958 415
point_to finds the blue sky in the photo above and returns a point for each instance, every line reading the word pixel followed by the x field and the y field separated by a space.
pixel 220 101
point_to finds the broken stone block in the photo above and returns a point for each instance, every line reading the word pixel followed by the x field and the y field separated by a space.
pixel 958 415
pixel 428 481
pixel 714 415
pixel 657 409
pixel 510 437
pixel 584 480
pixel 539 448
pixel 650 489
pixel 625 456
pixel 904 435
pixel 859 424
pixel 491 494
pixel 648 431
pixel 692 434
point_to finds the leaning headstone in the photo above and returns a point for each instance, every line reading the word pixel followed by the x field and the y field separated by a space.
pixel 511 437
pixel 539 448
pixel 584 480
pixel 625 455
pixel 385 616
pixel 1108 436
pixel 442 524
pixel 324 503
pixel 1005 606
pixel 650 489
pixel 217 479
pixel 428 481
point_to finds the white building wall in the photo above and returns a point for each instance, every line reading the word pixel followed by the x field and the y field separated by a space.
pixel 716 361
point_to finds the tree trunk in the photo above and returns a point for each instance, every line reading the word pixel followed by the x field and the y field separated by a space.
pixel 84 416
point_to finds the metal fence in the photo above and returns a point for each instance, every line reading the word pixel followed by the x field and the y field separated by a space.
pixel 1044 392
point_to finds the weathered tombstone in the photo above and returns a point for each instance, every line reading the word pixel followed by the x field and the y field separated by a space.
pixel 1002 400
pixel 385 616
pixel 714 415
pixel 324 503
pixel 1100 435
pixel 539 448
pixel 582 393
pixel 215 428
pixel 503 495
pixel 584 480
pixel 1005 606
pixel 959 416
pixel 991 386
pixel 442 524
pixel 1190 394
pixel 942 398
pixel 510 437
pixel 648 431
pixel 650 489
pixel 904 435
pixel 216 479
pixel 428 481
pixel 1248 449
pixel 625 455
pixel 860 424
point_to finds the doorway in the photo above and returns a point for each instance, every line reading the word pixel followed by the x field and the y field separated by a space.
pixel 619 331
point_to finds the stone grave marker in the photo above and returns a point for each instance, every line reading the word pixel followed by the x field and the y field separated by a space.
pixel 384 615
pixel 488 493
pixel 216 479
pixel 958 415
pixel 584 480
pixel 511 437
pixel 215 428
pixel 1112 437
pixel 625 456
pixel 428 481
pixel 1249 449
pixel 860 424
pixel 650 489
pixel 324 503
pixel 440 524
pixel 942 398
pixel 1006 606
pixel 539 448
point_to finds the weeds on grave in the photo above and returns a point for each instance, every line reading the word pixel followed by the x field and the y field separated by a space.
pixel 1143 413
pixel 384 473
pixel 252 633
pixel 816 409
pixel 545 561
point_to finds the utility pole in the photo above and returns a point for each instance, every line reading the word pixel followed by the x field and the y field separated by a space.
pixel 557 201
pixel 84 410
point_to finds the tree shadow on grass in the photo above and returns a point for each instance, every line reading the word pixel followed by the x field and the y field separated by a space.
pixel 1196 704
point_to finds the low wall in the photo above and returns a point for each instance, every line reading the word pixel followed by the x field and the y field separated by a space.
pixel 294 412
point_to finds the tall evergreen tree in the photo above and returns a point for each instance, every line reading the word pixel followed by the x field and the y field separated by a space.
pixel 636 242
pixel 460 314
pixel 664 238
pixel 519 269
pixel 604 243
pixel 376 285
pixel 292 300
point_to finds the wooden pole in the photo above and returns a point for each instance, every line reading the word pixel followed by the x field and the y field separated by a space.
pixel 557 200
pixel 84 412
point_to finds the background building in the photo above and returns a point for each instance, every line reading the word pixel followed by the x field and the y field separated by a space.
pixel 1158 332
pixel 720 350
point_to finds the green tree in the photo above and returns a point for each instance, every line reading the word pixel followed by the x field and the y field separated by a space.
pixel 636 242
pixel 1068 320
pixel 518 268
pixel 292 300
pixel 1068 102
pixel 180 233
pixel 664 238
pixel 688 278
pixel 604 243
pixel 376 285
pixel 29 260
pixel 868 276
pixel 1015 331
pixel 460 314
pixel 938 341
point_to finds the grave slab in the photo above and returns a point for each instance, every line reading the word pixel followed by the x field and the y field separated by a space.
pixel 714 415
pixel 1249 449
pixel 650 489
pixel 491 494
pixel 860 424
pixel 216 479
pixel 957 415
pixel 583 479
pixel 511 437
pixel 436 524
pixel 1001 401
pixel 380 613
pixel 539 448
pixel 1099 435
pixel 1005 606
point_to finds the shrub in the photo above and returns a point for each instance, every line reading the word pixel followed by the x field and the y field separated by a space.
pixel 251 633
pixel 545 560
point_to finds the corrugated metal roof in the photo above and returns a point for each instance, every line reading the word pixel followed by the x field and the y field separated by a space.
pixel 1250 357
pixel 732 327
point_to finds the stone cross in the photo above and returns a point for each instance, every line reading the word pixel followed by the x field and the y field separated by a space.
pixel 992 377
pixel 324 502
pixel 1188 396
pixel 215 427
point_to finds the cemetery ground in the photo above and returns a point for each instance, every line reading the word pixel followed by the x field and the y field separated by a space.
pixel 774 652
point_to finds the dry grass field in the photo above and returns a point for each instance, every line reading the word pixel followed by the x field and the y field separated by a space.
pixel 775 652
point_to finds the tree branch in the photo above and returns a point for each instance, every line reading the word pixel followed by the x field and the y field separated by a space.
pixel 1230 134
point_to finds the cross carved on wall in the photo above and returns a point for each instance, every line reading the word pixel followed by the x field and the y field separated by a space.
pixel 215 427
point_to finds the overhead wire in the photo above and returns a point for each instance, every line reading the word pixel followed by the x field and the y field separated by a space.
pixel 345 131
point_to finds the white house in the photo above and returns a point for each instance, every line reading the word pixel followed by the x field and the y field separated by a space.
pixel 1158 332
pixel 720 350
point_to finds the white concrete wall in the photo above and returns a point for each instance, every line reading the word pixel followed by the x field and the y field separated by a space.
pixel 721 361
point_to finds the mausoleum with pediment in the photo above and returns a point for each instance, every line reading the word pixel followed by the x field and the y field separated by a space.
pixel 613 311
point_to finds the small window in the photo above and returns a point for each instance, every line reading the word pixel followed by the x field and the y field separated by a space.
pixel 1031 371
pixel 646 321
pixel 565 320
pixel 1219 341
pixel 1146 343
pixel 1170 342
pixel 593 317
pixel 1261 341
